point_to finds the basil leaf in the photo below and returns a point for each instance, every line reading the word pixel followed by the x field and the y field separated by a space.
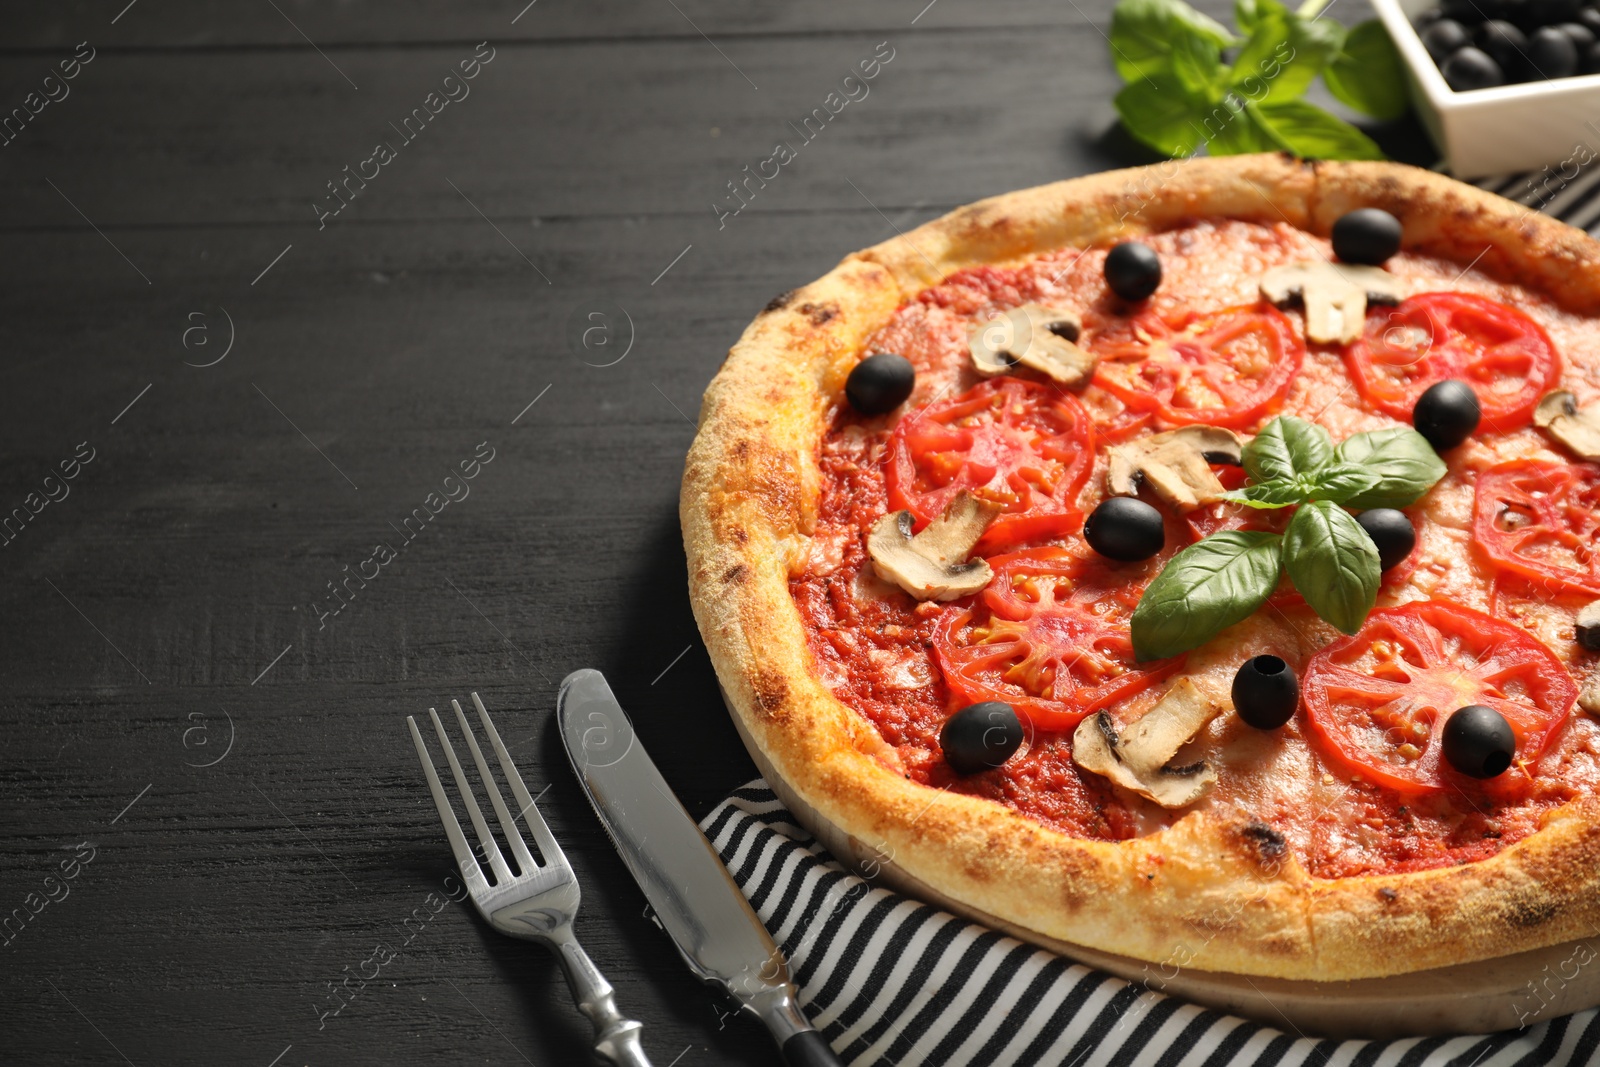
pixel 1284 53
pixel 1285 447
pixel 1311 133
pixel 1339 482
pixel 1159 111
pixel 1333 563
pixel 1247 13
pixel 1143 33
pixel 1406 465
pixel 1231 130
pixel 1366 74
pixel 1275 493
pixel 1204 589
pixel 1197 63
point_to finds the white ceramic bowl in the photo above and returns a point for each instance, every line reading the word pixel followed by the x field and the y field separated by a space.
pixel 1495 131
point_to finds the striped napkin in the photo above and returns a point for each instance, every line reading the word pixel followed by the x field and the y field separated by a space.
pixel 889 980
pixel 1567 190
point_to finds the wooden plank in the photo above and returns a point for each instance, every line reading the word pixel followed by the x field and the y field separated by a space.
pixel 197 541
pixel 179 587
pixel 289 23
pixel 620 129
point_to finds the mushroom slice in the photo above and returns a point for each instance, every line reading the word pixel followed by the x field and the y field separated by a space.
pixel 1588 626
pixel 1138 759
pixel 1176 465
pixel 1034 336
pixel 932 565
pixel 1335 295
pixel 1559 415
pixel 1589 695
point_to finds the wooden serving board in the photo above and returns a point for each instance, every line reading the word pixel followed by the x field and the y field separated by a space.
pixel 1469 998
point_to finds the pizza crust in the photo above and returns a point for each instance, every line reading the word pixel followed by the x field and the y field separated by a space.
pixel 1203 893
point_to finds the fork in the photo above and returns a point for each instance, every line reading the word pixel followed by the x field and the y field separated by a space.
pixel 538 903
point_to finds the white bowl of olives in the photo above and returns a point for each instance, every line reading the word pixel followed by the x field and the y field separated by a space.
pixel 1502 85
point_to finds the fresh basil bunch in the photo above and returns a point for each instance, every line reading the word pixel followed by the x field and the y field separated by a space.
pixel 1225 578
pixel 1181 95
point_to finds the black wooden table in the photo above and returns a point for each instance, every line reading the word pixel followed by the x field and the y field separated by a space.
pixel 243 347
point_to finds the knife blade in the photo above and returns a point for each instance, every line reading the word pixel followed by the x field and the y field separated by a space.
pixel 696 900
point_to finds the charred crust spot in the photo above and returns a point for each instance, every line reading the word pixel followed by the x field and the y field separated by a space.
pixel 740 449
pixel 1079 878
pixel 819 314
pixel 1529 912
pixel 735 573
pixel 771 691
pixel 1387 895
pixel 973 214
pixel 738 535
pixel 1269 844
pixel 778 303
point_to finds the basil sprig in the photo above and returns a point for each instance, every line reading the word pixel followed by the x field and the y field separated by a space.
pixel 1181 95
pixel 1223 579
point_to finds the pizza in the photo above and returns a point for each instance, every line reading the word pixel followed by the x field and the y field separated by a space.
pixel 1196 557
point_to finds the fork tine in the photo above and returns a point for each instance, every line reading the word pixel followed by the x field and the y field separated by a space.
pixel 470 871
pixel 513 835
pixel 553 856
pixel 502 872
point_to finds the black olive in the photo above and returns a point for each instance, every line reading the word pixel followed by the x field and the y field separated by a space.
pixel 1366 235
pixel 1444 37
pixel 1590 17
pixel 1550 13
pixel 1581 35
pixel 1478 741
pixel 1506 45
pixel 1517 12
pixel 1133 270
pixel 1591 59
pixel 1469 69
pixel 1428 18
pixel 1446 413
pixel 880 383
pixel 980 737
pixel 1125 528
pixel 1466 12
pixel 1391 532
pixel 1552 53
pixel 1265 692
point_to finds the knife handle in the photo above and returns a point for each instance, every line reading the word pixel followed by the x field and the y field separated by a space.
pixel 616 1037
pixel 808 1049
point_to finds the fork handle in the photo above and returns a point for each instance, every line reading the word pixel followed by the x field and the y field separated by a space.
pixel 616 1037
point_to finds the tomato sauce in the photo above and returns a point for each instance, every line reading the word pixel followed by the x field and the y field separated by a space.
pixel 874 646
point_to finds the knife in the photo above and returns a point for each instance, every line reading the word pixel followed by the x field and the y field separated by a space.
pixel 696 900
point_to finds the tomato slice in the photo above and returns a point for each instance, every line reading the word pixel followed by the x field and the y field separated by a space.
pixel 1540 520
pixel 1025 446
pixel 1049 636
pixel 1223 369
pixel 1503 354
pixel 1114 421
pixel 1377 702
